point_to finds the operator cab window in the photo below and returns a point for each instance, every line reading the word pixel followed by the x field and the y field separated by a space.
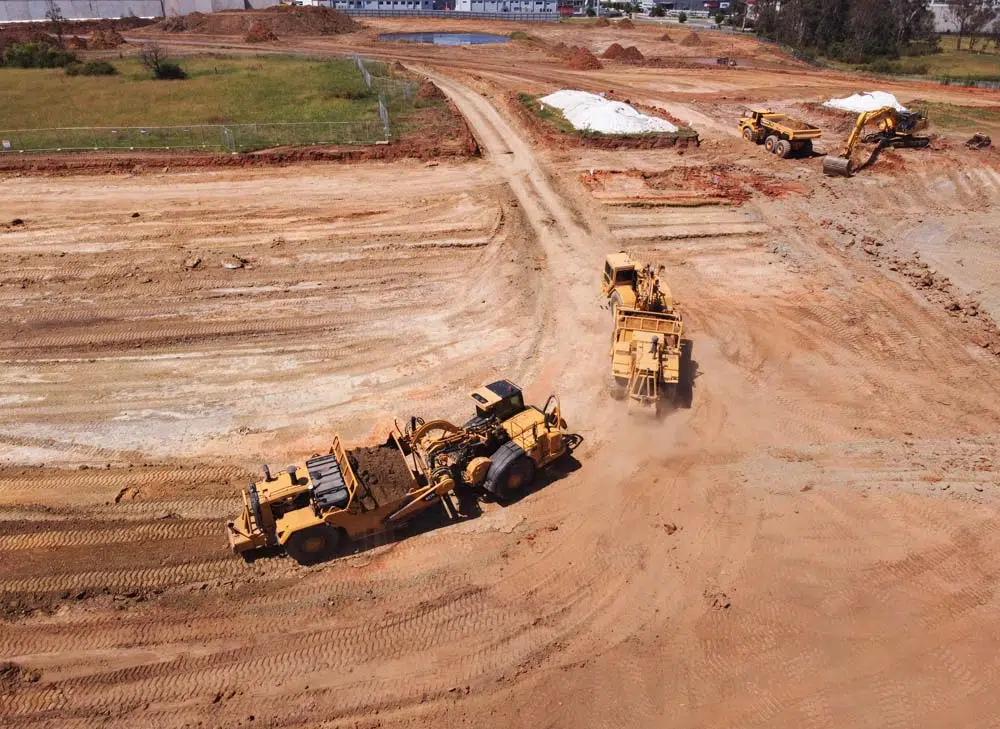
pixel 625 276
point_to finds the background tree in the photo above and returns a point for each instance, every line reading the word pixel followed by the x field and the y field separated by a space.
pixel 971 17
pixel 54 15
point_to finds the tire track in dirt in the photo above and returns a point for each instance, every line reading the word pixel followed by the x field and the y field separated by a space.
pixel 109 535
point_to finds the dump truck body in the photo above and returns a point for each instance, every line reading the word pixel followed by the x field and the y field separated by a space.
pixel 346 494
pixel 779 133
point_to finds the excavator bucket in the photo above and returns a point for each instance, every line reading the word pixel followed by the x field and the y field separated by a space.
pixel 837 166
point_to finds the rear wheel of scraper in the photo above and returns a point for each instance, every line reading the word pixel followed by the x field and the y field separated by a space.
pixel 518 478
pixel 315 544
pixel 770 143
pixel 783 148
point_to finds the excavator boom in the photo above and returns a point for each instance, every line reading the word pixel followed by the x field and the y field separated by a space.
pixel 895 128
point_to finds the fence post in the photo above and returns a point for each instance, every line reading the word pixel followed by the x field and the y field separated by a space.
pixel 383 112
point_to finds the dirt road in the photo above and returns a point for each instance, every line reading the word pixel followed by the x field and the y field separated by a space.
pixel 813 543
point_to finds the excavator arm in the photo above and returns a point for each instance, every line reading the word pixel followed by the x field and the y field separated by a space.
pixel 887 116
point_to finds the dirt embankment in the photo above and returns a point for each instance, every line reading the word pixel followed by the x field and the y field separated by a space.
pixel 280 20
pixel 548 134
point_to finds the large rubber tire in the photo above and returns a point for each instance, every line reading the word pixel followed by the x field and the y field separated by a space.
pixel 770 143
pixel 807 148
pixel 748 134
pixel 315 544
pixel 783 148
pixel 517 478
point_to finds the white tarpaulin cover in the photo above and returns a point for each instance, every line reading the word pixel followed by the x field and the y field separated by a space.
pixel 869 101
pixel 594 113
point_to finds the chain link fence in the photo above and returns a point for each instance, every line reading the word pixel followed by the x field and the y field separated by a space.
pixel 204 137
pixel 392 95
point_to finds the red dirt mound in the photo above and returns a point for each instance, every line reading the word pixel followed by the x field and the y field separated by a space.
pixel 666 37
pixel 602 23
pixel 614 52
pixel 583 60
pixel 104 40
pixel 625 24
pixel 259 33
pixel 562 50
pixel 691 39
pixel 429 92
pixel 283 20
pixel 23 34
pixel 76 43
pixel 626 55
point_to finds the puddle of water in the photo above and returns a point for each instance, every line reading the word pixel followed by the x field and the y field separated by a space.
pixel 445 39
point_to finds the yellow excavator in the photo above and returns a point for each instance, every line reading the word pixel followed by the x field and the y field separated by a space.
pixel 895 129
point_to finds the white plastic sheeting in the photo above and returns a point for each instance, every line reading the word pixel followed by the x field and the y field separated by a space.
pixel 594 113
pixel 869 101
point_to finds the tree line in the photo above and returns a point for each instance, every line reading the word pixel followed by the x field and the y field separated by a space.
pixel 856 31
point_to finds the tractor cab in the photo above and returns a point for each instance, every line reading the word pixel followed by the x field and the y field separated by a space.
pixel 620 274
pixel 499 400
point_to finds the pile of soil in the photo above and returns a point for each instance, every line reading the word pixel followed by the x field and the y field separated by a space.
pixel 625 24
pixel 691 39
pixel 24 33
pixel 397 67
pixel 583 60
pixel 76 43
pixel 103 40
pixel 626 55
pixel 562 50
pixel 259 33
pixel 382 470
pixel 602 23
pixel 666 37
pixel 12 675
pixel 283 20
pixel 428 92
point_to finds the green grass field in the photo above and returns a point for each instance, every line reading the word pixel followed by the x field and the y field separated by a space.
pixel 962 118
pixel 219 91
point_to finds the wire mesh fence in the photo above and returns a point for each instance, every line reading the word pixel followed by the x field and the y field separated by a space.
pixel 392 94
pixel 204 137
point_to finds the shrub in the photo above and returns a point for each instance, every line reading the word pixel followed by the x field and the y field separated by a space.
pixel 91 68
pixel 591 13
pixel 682 17
pixel 720 17
pixel 153 58
pixel 36 55
pixel 657 12
pixel 170 70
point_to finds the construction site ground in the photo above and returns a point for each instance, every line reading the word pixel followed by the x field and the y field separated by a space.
pixel 814 543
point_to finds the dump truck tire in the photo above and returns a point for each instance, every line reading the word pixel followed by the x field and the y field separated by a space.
pixel 748 134
pixel 518 478
pixel 770 143
pixel 783 148
pixel 807 148
pixel 315 544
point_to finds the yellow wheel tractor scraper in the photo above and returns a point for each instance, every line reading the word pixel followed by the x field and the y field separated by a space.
pixel 650 359
pixel 311 510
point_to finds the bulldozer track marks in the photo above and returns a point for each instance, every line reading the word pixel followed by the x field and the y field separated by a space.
pixel 779 547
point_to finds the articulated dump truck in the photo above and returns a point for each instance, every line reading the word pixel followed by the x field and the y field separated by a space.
pixel 311 510
pixel 650 359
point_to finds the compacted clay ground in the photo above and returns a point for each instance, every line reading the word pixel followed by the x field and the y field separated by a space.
pixel 813 543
